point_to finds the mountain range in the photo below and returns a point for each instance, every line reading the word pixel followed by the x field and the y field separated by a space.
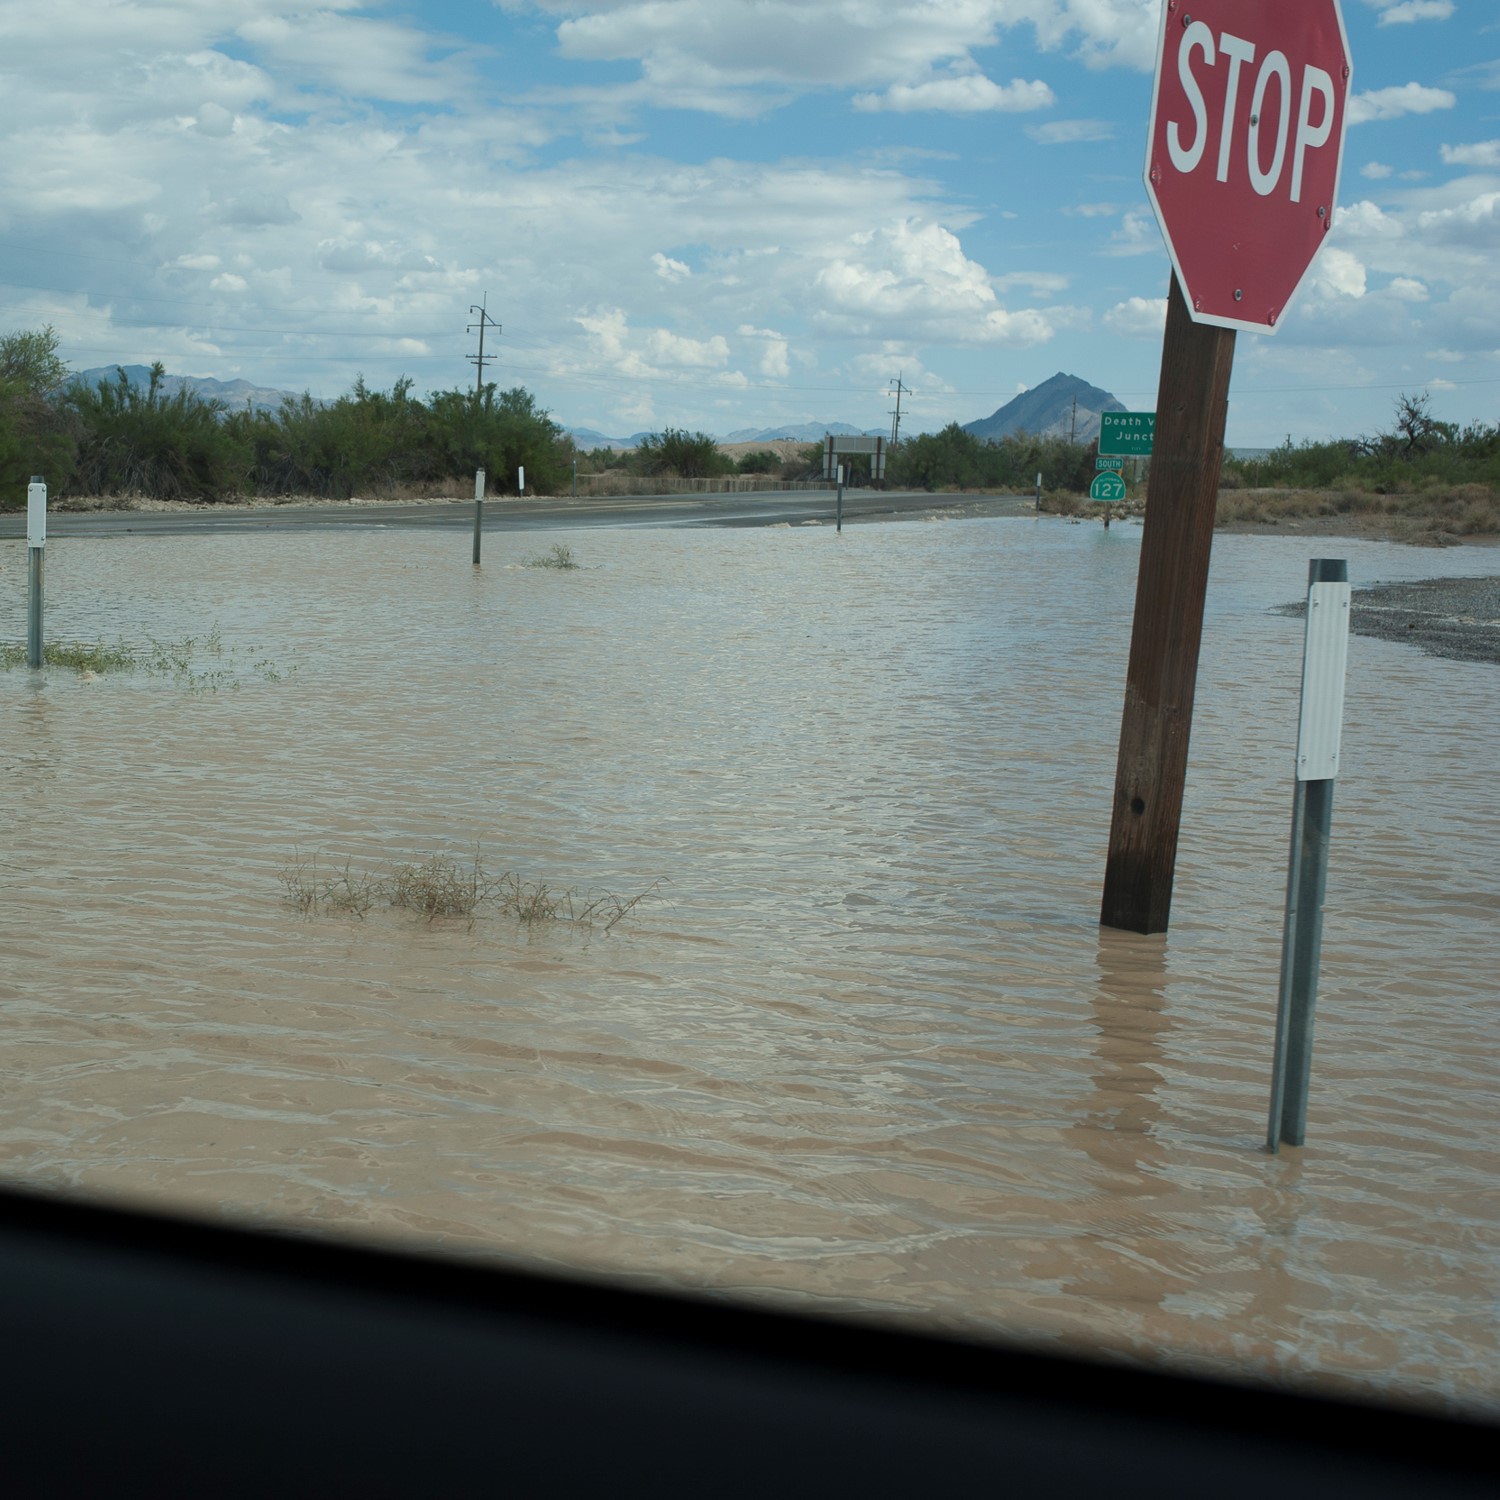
pixel 1063 406
pixel 233 393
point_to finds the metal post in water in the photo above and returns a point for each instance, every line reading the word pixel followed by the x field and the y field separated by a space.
pixel 838 524
pixel 1318 734
pixel 478 511
pixel 36 545
pixel 1039 491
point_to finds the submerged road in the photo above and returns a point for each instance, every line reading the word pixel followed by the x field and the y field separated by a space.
pixel 754 508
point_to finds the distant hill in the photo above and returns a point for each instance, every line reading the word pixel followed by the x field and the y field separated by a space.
pixel 1047 410
pixel 795 432
pixel 235 394
pixel 801 432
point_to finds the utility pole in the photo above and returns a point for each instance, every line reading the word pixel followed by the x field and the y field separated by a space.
pixel 1073 431
pixel 896 415
pixel 485 320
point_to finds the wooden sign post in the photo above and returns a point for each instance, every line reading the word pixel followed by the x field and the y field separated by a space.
pixel 1192 406
pixel 1244 201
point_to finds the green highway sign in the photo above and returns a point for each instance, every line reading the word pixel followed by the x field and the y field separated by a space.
pixel 1127 434
pixel 1109 463
pixel 1108 487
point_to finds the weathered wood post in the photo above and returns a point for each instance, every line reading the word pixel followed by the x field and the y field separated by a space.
pixel 1319 730
pixel 36 545
pixel 1192 406
pixel 1242 236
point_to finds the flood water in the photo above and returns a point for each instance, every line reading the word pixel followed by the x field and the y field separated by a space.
pixel 866 1046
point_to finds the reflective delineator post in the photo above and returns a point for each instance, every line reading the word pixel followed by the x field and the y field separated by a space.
pixel 838 515
pixel 36 544
pixel 1039 491
pixel 478 510
pixel 1319 729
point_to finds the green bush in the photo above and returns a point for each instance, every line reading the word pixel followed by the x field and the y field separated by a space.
pixel 761 462
pixel 142 442
pixel 687 455
pixel 955 459
pixel 37 436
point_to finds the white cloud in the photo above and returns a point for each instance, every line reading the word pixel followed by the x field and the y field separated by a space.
pixel 774 361
pixel 1038 283
pixel 1407 11
pixel 1137 317
pixel 1376 171
pixel 1138 234
pixel 671 349
pixel 1475 223
pixel 1476 154
pixel 1401 99
pixel 965 93
pixel 916 276
pixel 1337 272
pixel 1408 289
pixel 739 57
pixel 1071 132
pixel 669 269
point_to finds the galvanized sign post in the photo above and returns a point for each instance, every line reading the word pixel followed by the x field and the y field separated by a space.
pixel 1319 729
pixel 478 510
pixel 36 544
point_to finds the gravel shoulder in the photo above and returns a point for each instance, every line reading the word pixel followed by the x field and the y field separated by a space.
pixel 1458 618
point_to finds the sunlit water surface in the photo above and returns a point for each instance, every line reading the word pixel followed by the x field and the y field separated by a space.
pixel 866 1046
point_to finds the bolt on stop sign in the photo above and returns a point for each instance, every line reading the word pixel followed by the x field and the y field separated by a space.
pixel 1246 143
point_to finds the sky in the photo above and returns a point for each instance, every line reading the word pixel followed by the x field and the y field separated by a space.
pixel 714 214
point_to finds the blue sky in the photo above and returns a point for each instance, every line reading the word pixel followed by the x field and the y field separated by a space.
pixel 713 214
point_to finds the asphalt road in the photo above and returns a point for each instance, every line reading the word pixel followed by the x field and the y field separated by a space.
pixel 768 508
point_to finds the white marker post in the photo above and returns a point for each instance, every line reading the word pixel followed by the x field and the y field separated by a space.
pixel 36 543
pixel 478 510
pixel 1320 726
pixel 521 482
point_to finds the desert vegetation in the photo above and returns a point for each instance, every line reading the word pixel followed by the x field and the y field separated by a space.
pixel 1420 476
pixel 440 887
pixel 117 439
pixel 203 664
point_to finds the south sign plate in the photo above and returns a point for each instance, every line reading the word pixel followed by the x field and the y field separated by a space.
pixel 1245 149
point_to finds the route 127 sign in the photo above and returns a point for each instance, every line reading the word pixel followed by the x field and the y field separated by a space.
pixel 1246 143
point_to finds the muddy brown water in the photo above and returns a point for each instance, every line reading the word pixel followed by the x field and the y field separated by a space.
pixel 868 1049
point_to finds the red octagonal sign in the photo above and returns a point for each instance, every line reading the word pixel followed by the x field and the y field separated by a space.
pixel 1247 138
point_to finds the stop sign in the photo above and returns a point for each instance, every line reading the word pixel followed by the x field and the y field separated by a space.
pixel 1247 138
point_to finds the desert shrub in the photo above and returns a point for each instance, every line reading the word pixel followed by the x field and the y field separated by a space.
pixel 144 442
pixel 687 455
pixel 762 462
